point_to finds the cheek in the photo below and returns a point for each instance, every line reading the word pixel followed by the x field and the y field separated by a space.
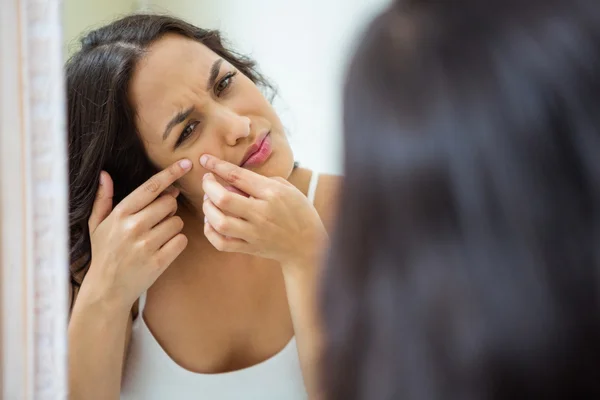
pixel 191 183
pixel 284 148
pixel 158 157
pixel 207 142
pixel 250 98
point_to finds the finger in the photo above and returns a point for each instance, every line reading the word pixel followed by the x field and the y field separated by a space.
pixel 236 190
pixel 223 243
pixel 153 187
pixel 160 209
pixel 171 191
pixel 283 181
pixel 243 179
pixel 170 251
pixel 163 232
pixel 103 202
pixel 228 201
pixel 225 225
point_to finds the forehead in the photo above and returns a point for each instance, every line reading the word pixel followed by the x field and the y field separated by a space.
pixel 170 77
pixel 172 53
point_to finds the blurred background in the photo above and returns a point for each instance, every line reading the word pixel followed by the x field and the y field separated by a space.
pixel 302 46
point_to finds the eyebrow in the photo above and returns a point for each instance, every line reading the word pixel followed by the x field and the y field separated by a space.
pixel 176 120
pixel 214 73
pixel 183 115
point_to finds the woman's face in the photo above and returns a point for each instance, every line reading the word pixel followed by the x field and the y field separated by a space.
pixel 189 101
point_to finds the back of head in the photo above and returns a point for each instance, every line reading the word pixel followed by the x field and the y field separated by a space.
pixel 465 263
pixel 101 120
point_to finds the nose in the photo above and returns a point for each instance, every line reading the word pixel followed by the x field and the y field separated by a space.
pixel 234 127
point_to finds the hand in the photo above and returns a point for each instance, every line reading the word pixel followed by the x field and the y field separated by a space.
pixel 276 221
pixel 134 244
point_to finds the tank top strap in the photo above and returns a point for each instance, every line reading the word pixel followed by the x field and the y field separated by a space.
pixel 141 304
pixel 312 187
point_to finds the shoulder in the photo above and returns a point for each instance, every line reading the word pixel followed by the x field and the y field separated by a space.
pixel 326 199
pixel 326 193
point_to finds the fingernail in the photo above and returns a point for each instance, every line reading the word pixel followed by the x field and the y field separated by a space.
pixel 185 164
pixel 205 220
pixel 205 197
pixel 205 176
pixel 203 160
pixel 101 179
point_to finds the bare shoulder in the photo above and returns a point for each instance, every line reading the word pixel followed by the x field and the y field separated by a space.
pixel 326 198
pixel 326 193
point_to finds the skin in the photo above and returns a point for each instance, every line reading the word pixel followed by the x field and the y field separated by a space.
pixel 228 122
pixel 239 274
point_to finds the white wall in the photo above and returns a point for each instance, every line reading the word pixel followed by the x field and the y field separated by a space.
pixel 303 46
pixel 79 16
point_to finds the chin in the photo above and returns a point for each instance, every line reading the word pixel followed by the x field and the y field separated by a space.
pixel 278 165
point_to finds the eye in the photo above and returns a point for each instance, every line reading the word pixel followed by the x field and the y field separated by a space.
pixel 224 83
pixel 186 133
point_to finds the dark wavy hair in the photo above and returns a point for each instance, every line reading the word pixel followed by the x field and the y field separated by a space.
pixel 466 258
pixel 101 127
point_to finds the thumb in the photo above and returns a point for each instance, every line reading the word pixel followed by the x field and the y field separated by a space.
pixel 103 202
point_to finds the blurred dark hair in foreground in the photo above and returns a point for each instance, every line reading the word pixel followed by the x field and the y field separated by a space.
pixel 466 259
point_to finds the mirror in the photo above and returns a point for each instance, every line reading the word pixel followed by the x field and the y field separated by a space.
pixel 301 46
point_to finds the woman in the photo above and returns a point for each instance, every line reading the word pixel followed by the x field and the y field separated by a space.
pixel 160 110
pixel 466 262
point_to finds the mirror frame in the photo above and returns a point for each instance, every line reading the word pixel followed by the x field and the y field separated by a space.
pixel 33 202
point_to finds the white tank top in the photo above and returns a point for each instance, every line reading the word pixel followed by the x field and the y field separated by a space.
pixel 150 374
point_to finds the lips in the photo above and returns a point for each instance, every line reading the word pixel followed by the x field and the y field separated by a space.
pixel 258 153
